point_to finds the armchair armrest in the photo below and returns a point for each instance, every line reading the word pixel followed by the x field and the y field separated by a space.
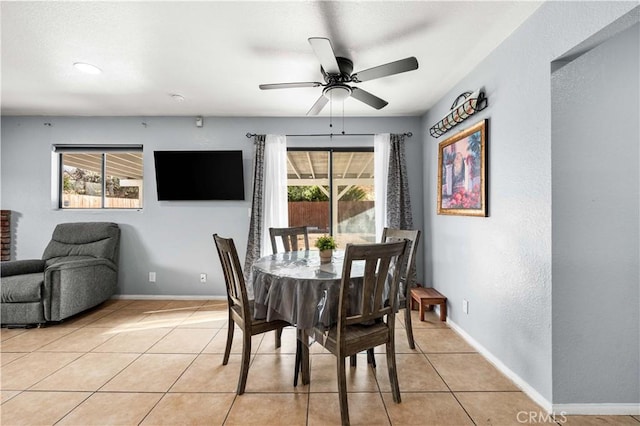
pixel 78 264
pixel 76 285
pixel 20 267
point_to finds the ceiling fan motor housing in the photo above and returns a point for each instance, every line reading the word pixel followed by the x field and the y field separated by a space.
pixel 346 68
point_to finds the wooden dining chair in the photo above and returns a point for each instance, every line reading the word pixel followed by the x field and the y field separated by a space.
pixel 375 324
pixel 240 307
pixel 289 238
pixel 407 276
pixel 406 281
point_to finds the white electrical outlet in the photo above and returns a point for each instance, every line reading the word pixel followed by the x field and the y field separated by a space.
pixel 465 306
pixel 152 277
pixel 203 278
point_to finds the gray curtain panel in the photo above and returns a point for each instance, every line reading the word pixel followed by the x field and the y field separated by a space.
pixel 255 226
pixel 398 200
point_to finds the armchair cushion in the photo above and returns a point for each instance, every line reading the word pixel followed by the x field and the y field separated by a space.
pixel 22 288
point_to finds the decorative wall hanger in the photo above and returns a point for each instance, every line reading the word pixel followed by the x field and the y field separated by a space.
pixel 465 105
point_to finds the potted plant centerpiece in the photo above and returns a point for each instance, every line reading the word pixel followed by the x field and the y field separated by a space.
pixel 326 244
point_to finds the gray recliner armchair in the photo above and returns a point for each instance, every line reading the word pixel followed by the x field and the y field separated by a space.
pixel 78 270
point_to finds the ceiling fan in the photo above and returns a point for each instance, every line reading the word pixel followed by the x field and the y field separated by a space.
pixel 337 72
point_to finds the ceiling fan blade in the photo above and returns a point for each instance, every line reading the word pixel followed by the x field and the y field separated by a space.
pixel 397 67
pixel 317 107
pixel 368 98
pixel 289 85
pixel 323 50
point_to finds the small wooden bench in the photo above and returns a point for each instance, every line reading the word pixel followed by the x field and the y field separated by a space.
pixel 426 298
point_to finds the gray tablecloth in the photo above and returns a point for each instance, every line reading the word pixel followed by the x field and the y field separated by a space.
pixel 296 288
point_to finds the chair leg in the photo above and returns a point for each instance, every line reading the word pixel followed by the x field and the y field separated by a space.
pixel 393 372
pixel 371 358
pixel 408 327
pixel 342 391
pixel 305 370
pixel 227 350
pixel 354 360
pixel 298 362
pixel 246 358
pixel 278 338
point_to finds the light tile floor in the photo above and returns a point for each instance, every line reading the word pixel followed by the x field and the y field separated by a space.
pixel 159 363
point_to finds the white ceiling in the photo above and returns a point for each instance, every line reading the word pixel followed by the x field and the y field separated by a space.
pixel 215 54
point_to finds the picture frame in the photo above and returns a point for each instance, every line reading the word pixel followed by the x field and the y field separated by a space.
pixel 462 172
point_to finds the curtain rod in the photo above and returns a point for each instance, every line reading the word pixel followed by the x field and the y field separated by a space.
pixel 407 134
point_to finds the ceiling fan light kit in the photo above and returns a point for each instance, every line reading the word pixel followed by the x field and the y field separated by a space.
pixel 465 105
pixel 337 92
pixel 338 71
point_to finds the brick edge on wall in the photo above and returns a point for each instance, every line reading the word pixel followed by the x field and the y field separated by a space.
pixel 5 232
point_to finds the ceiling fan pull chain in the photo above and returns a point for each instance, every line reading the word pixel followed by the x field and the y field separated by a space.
pixel 330 109
pixel 343 117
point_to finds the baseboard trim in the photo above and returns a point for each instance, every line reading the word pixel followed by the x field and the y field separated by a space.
pixel 165 297
pixel 598 409
pixel 524 386
pixel 610 409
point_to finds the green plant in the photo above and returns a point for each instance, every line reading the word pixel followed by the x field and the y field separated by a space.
pixel 67 186
pixel 355 193
pixel 307 193
pixel 326 242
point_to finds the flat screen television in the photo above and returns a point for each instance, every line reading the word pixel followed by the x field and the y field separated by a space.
pixel 199 175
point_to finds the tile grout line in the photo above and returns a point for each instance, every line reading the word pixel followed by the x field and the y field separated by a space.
pixel 226 417
pixel 179 376
pixel 74 408
pixel 146 352
pixel 69 363
pixel 446 384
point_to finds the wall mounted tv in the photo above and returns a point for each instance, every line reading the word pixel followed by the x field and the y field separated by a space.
pixel 199 175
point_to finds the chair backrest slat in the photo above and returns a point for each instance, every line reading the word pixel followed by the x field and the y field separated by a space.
pixel 380 270
pixel 408 273
pixel 289 238
pixel 233 277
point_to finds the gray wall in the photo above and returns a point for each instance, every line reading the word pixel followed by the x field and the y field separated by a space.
pixel 171 238
pixel 502 264
pixel 595 187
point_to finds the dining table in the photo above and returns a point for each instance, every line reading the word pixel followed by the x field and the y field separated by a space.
pixel 297 288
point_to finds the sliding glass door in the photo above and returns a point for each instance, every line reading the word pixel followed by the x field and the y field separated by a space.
pixel 331 192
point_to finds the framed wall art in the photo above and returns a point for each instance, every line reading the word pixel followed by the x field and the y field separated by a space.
pixel 462 172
